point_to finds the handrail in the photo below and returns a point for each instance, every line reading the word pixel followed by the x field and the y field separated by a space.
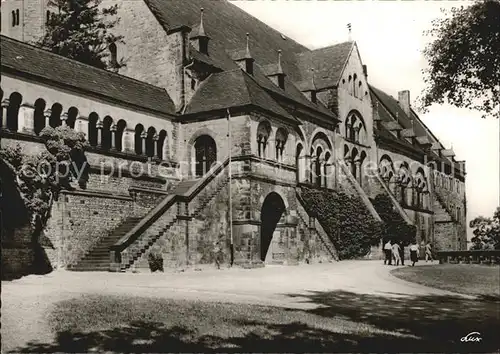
pixel 145 222
pixel 360 191
pixel 200 184
pixel 400 209
pixel 131 236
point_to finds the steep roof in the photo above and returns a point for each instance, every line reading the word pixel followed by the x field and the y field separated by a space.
pixel 388 108
pixel 234 88
pixel 227 24
pixel 27 59
pixel 327 62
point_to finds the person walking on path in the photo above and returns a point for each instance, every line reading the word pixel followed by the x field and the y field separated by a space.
pixel 388 253
pixel 428 252
pixel 395 253
pixel 414 253
pixel 402 254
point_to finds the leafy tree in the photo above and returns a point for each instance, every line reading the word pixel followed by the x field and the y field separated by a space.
pixel 39 178
pixel 80 30
pixel 486 232
pixel 464 59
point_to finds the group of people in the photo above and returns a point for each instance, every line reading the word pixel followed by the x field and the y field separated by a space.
pixel 395 253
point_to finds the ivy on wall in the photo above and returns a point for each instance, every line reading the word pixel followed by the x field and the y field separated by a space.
pixel 395 228
pixel 348 223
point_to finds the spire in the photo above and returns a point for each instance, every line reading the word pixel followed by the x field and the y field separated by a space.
pixel 279 68
pixel 201 38
pixel 313 74
pixel 201 29
pixel 247 52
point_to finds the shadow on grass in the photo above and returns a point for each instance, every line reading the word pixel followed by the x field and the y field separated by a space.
pixel 345 322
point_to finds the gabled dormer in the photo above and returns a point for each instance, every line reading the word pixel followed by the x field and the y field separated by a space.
pixel 275 72
pixel 199 38
pixel 244 58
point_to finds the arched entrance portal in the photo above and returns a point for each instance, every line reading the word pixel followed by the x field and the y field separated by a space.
pixel 205 154
pixel 273 209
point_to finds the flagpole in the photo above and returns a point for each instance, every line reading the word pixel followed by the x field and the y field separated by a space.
pixel 230 194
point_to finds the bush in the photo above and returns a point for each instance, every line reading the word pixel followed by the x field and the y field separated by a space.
pixel 155 261
pixel 345 219
pixel 395 228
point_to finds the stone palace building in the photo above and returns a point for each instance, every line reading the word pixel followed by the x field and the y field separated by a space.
pixel 213 100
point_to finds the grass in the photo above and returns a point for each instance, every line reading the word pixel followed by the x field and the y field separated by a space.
pixel 341 321
pixel 470 279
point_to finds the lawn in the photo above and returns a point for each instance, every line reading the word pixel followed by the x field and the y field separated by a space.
pixel 342 321
pixel 470 279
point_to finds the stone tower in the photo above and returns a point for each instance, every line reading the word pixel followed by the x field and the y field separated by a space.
pixel 24 20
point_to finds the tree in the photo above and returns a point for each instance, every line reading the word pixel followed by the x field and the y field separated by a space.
pixel 38 179
pixel 464 59
pixel 486 232
pixel 80 30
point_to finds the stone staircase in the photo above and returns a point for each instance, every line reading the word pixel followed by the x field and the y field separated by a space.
pixel 97 259
pixel 140 249
pixel 185 202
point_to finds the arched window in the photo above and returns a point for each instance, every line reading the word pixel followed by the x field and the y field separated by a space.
pixel 120 130
pixel 404 180
pixel 317 166
pixel 161 147
pixel 263 131
pixel 113 59
pixel 139 129
pixel 15 101
pixel 13 18
pixel 281 137
pixel 93 119
pixel 326 169
pixel 150 142
pixel 205 154
pixel 354 88
pixel 17 17
pixel 106 133
pixel 355 128
pixel 38 116
pixel 299 163
pixel 349 85
pixel 55 117
pixel 72 115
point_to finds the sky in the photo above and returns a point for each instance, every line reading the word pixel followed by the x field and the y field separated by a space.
pixel 390 40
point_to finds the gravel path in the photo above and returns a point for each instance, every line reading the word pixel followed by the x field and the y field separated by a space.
pixel 27 301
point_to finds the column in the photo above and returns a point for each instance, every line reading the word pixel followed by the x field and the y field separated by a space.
pixel 99 133
pixel 126 141
pixel 113 137
pixel 47 114
pixel 144 135
pixel 155 146
pixel 82 126
pixel 5 106
pixel 64 119
pixel 358 171
pixel 26 119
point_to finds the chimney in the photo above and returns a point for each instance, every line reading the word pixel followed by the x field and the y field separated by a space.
pixel 200 39
pixel 177 54
pixel 404 101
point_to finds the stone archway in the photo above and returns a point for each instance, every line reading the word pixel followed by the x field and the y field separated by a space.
pixel 272 210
